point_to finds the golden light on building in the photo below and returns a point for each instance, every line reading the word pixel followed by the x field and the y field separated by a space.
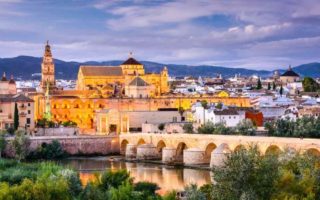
pixel 125 88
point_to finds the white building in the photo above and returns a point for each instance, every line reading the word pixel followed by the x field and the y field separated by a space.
pixel 229 117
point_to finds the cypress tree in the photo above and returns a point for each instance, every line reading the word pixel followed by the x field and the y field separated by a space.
pixel 281 90
pixel 16 117
pixel 269 86
pixel 274 86
pixel 259 85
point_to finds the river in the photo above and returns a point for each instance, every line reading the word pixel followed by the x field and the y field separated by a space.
pixel 167 177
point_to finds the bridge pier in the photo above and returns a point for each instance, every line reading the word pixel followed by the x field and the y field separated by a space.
pixel 219 155
pixel 147 152
pixel 131 152
pixel 169 155
pixel 194 156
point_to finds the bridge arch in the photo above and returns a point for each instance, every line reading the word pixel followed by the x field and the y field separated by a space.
pixel 179 151
pixel 141 141
pixel 209 149
pixel 123 146
pixel 160 145
pixel 239 147
pixel 273 150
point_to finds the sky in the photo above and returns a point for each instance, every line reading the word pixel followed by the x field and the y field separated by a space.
pixel 254 34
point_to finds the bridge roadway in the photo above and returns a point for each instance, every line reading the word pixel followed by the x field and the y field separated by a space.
pixel 202 149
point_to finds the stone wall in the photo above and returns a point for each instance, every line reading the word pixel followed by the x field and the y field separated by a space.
pixel 61 131
pixel 75 145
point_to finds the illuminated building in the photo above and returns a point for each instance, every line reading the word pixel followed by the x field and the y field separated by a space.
pixel 125 88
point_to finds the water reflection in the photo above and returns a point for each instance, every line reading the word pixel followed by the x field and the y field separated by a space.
pixel 168 178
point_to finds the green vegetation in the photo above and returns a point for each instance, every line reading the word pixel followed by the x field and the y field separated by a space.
pixel 46 180
pixel 274 87
pixel 204 104
pixel 269 86
pixel 247 174
pixel 52 150
pixel 310 85
pixel 303 127
pixel 44 123
pixel 259 85
pixel 188 128
pixel 21 144
pixel 245 127
pixel 161 126
pixel 69 124
pixel 16 117
pixel 3 144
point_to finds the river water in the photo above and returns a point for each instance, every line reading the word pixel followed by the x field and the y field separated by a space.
pixel 167 177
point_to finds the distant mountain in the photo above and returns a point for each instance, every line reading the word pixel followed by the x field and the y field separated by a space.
pixel 27 67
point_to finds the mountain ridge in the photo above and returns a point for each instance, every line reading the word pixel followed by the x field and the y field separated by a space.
pixel 23 67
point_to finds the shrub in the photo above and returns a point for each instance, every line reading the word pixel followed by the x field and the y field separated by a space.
pixel 188 128
pixel 146 187
pixel 52 150
pixel 114 179
pixel 21 145
pixel 245 127
pixel 161 127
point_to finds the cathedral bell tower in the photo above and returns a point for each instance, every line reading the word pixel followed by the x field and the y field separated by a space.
pixel 47 70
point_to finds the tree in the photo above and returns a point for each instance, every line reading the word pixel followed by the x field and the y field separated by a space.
pixel 310 85
pixel 2 144
pixel 161 126
pixel 245 127
pixel 246 174
pixel 274 86
pixel 188 128
pixel 204 104
pixel 269 86
pixel 281 90
pixel 21 145
pixel 16 117
pixel 259 84
pixel 181 111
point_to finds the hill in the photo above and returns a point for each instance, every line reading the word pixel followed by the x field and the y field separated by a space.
pixel 25 67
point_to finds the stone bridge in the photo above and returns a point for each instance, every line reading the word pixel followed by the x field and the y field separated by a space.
pixel 201 149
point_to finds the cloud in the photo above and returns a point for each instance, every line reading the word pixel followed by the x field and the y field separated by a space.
pixel 236 33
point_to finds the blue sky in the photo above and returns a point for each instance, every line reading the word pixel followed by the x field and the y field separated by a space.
pixel 236 33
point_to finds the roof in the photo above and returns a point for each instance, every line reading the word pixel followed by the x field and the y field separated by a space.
pixel 290 72
pixel 12 81
pixel 137 81
pixel 226 112
pixel 14 98
pixel 131 61
pixel 101 71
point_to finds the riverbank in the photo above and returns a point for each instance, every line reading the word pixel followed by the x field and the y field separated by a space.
pixel 167 177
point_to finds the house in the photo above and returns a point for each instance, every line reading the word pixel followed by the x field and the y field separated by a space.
pixel 228 116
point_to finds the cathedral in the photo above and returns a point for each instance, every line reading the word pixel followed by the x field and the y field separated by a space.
pixel 127 80
pixel 127 87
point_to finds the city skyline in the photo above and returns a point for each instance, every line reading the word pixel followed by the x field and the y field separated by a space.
pixel 252 34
